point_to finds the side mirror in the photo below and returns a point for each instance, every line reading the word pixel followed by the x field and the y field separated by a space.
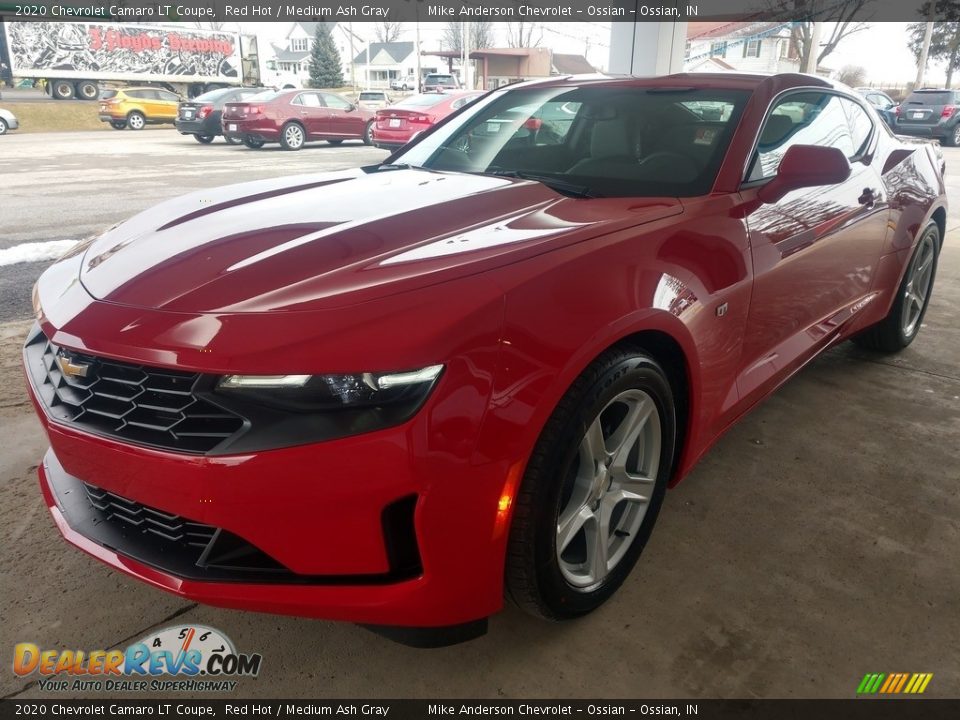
pixel 806 166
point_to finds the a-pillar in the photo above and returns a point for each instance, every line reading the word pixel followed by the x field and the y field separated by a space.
pixel 647 48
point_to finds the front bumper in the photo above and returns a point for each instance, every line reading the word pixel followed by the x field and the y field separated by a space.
pixel 321 512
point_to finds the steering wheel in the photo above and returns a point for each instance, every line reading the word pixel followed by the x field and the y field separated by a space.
pixel 673 162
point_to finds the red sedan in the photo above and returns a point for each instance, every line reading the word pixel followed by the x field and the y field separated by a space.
pixel 399 124
pixel 295 117
pixel 283 396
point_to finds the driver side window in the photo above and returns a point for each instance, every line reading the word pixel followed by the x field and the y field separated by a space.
pixel 807 118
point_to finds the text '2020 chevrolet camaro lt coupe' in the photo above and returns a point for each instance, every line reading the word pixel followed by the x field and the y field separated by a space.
pixel 397 394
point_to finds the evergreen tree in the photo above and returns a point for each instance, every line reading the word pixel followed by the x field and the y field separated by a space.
pixel 326 71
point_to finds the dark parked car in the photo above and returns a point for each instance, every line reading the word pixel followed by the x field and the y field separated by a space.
pixel 294 118
pixel 440 81
pixel 400 393
pixel 931 113
pixel 201 116
pixel 882 103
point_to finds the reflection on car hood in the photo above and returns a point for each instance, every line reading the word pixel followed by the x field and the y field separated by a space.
pixel 335 239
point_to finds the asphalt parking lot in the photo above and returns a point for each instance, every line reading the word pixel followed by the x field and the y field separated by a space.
pixel 815 543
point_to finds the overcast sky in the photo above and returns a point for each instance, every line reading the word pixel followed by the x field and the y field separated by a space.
pixel 881 48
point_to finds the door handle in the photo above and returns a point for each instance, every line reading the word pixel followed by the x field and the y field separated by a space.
pixel 869 198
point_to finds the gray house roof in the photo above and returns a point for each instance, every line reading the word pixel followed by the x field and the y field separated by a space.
pixel 399 51
pixel 284 55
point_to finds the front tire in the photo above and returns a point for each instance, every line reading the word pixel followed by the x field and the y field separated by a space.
pixel 203 139
pixel 136 120
pixel 3 127
pixel 902 324
pixel 292 136
pixel 593 487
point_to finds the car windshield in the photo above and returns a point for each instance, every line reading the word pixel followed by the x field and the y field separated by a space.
pixel 927 97
pixel 213 95
pixel 611 141
pixel 422 101
pixel 265 96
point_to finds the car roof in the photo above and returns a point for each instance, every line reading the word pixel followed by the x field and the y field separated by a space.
pixel 729 80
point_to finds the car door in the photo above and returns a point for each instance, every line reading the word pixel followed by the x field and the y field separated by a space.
pixel 166 105
pixel 343 117
pixel 815 251
pixel 308 108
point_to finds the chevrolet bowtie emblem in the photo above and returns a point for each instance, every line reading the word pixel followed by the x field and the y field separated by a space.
pixel 70 368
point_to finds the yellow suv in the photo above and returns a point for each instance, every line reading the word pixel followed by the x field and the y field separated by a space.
pixel 135 107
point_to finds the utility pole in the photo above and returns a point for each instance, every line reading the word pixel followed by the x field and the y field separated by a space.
pixel 811 64
pixel 468 76
pixel 924 52
pixel 353 54
pixel 417 50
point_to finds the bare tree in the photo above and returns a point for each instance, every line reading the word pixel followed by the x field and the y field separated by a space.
pixel 524 34
pixel 481 35
pixel 839 14
pixel 945 39
pixel 388 31
pixel 853 75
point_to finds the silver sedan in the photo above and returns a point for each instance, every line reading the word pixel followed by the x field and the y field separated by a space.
pixel 8 121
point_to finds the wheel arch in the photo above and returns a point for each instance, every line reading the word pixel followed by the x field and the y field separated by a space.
pixel 939 216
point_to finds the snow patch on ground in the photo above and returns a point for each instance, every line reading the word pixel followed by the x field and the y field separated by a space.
pixel 35 251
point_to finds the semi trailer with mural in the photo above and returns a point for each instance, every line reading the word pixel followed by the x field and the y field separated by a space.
pixel 75 59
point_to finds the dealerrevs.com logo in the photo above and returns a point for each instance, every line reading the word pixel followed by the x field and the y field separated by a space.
pixel 187 658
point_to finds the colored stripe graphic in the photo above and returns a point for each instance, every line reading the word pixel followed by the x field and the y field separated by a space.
pixel 894 683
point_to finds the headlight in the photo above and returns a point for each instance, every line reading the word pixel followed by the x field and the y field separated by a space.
pixel 331 393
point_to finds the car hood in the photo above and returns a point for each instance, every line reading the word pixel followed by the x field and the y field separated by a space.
pixel 310 242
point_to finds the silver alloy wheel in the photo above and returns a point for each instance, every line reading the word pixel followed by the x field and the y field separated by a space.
pixel 136 121
pixel 3 126
pixel 616 472
pixel 956 135
pixel 294 136
pixel 920 276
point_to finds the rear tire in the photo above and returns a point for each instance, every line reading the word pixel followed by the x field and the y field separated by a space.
pixel 203 139
pixel 118 124
pixel 87 90
pixel 902 324
pixel 592 488
pixel 136 120
pixel 253 144
pixel 368 134
pixel 953 140
pixel 292 136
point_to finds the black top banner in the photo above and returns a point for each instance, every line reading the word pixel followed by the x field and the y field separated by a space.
pixel 477 10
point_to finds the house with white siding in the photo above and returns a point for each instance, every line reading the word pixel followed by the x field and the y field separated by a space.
pixel 764 47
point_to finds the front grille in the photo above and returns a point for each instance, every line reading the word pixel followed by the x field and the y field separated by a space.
pixel 177 544
pixel 137 403
pixel 172 528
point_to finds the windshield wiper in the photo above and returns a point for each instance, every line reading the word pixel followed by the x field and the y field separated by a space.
pixel 561 186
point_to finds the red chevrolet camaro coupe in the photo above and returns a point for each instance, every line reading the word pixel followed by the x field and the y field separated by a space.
pixel 395 394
